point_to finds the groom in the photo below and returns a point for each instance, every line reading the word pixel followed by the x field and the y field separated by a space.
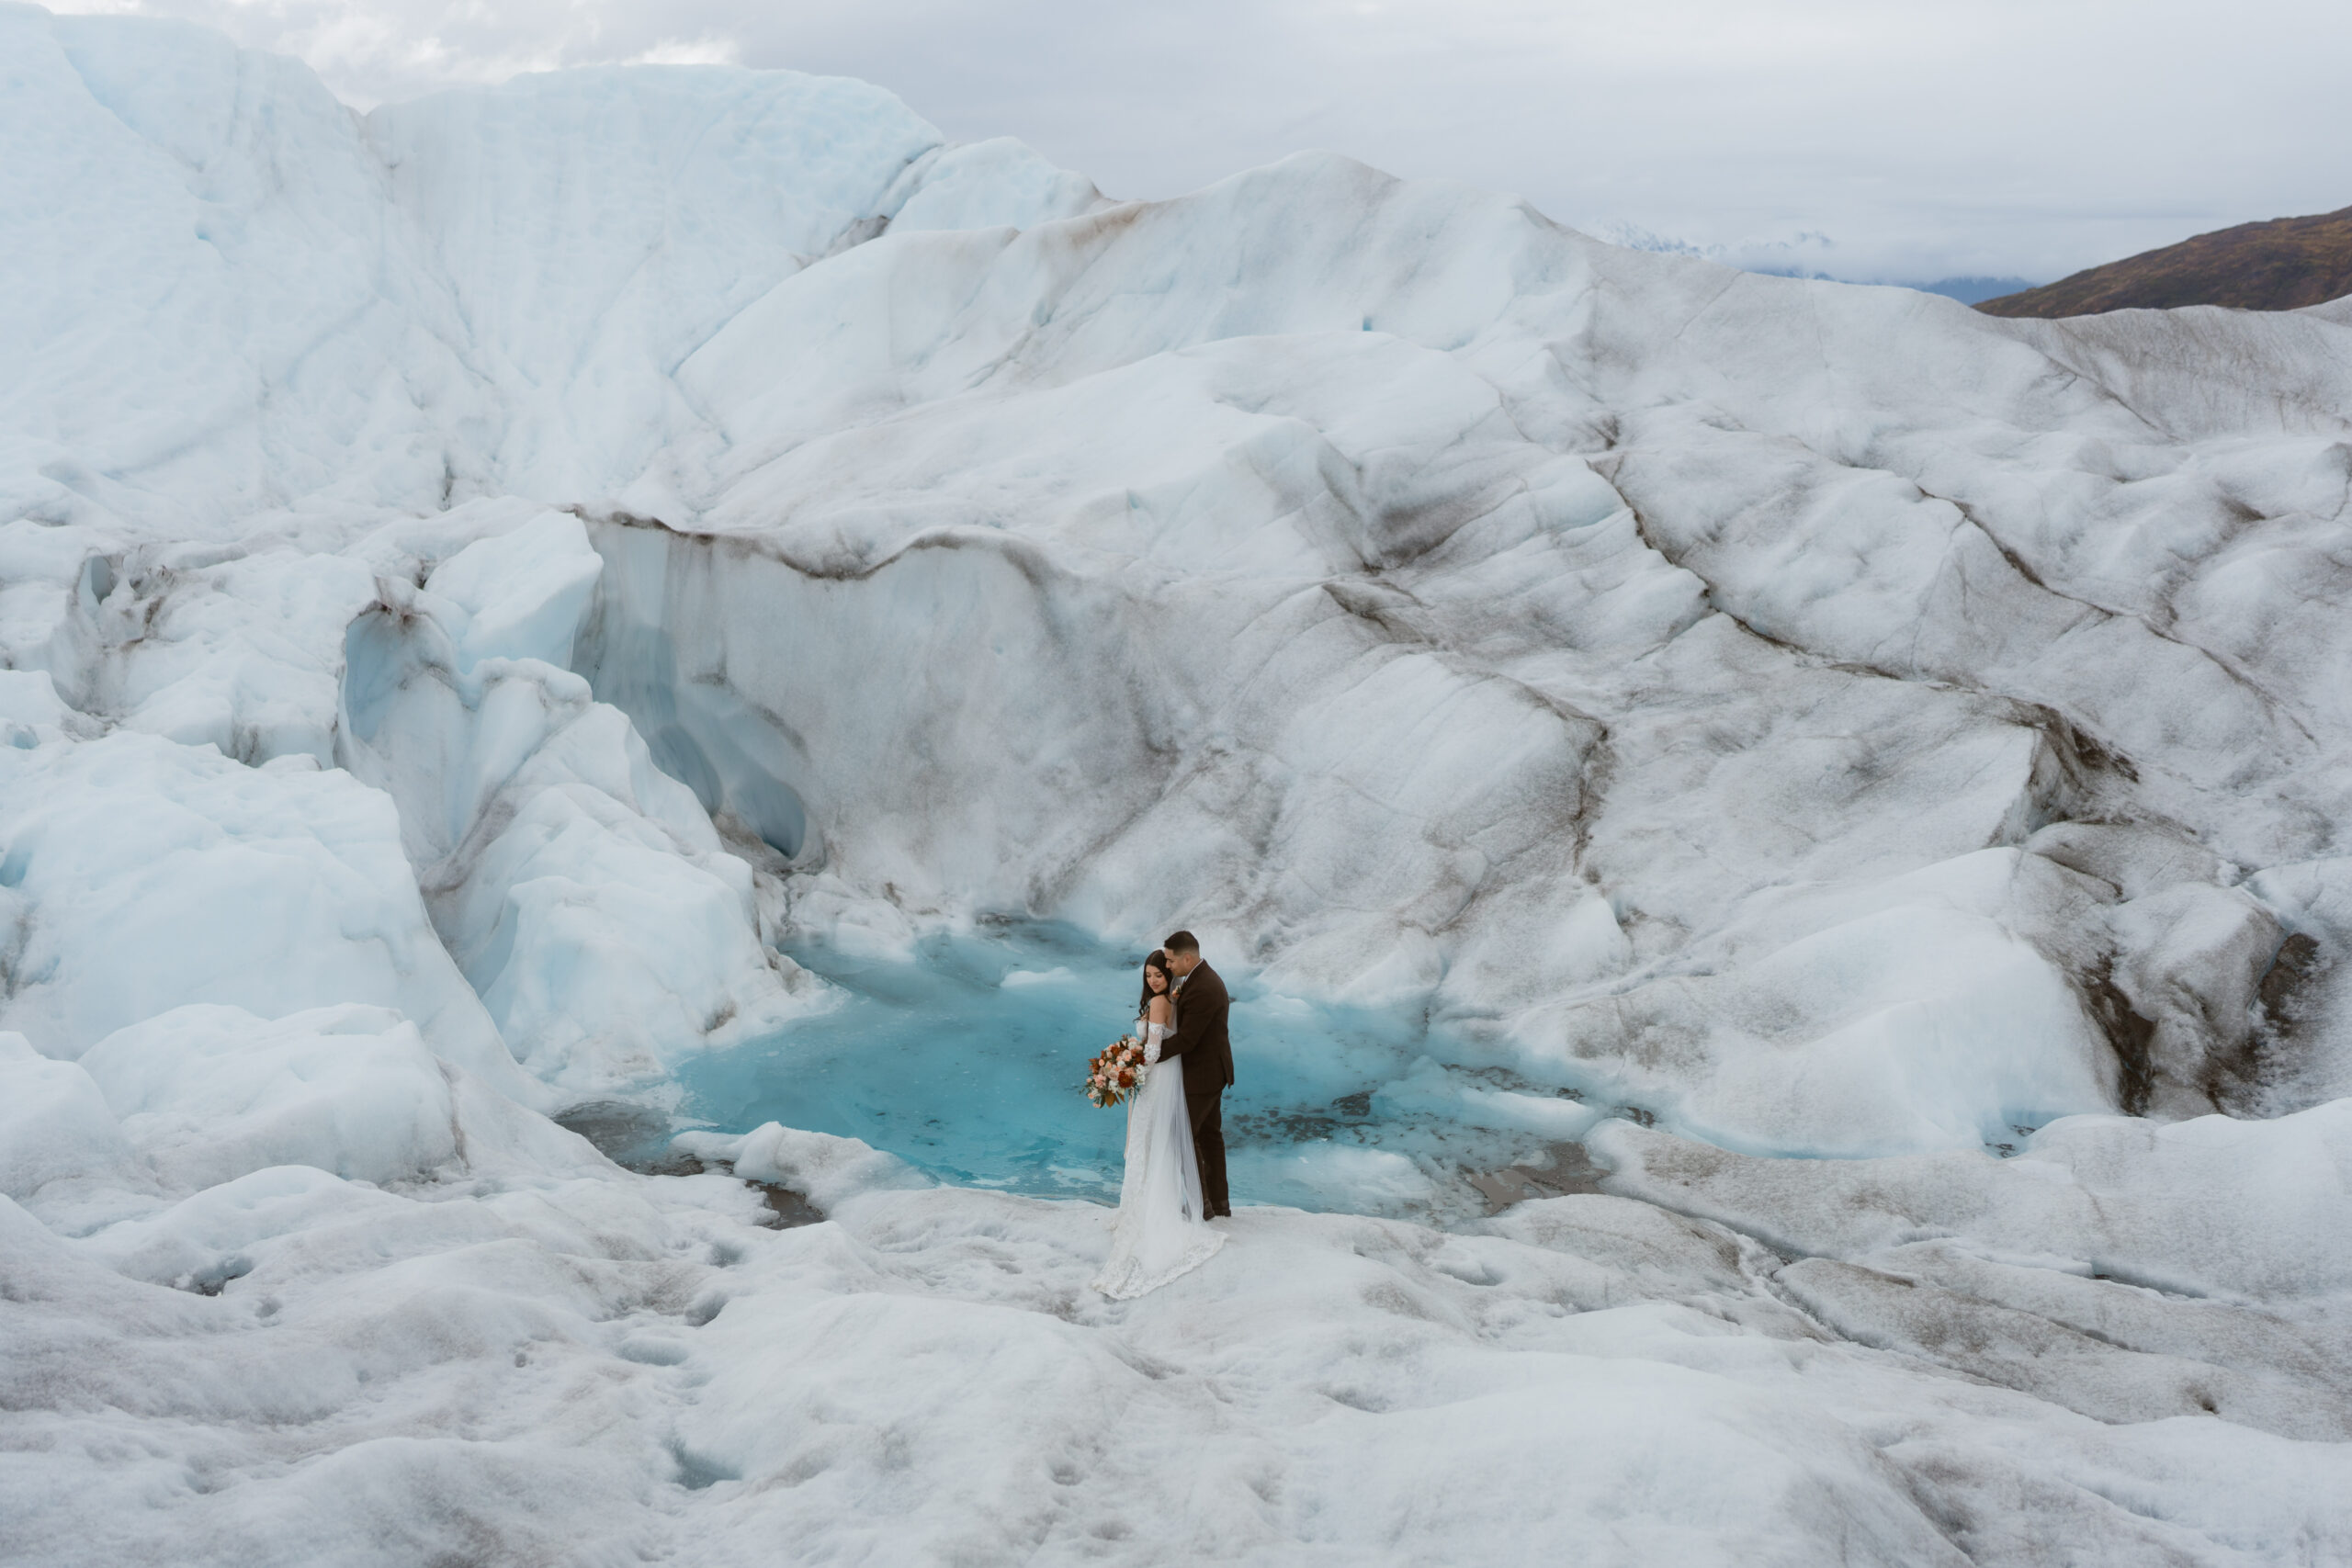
pixel 1200 1040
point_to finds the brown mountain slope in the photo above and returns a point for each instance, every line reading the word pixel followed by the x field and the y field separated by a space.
pixel 2283 265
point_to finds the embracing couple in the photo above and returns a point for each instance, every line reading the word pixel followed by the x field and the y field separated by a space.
pixel 1175 1177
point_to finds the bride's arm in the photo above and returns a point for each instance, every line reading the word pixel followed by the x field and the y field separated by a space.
pixel 1158 1013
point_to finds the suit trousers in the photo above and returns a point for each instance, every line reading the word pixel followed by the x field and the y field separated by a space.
pixel 1208 1146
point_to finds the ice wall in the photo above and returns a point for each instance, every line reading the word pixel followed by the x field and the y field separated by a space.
pixel 582 892
pixel 274 302
pixel 1641 656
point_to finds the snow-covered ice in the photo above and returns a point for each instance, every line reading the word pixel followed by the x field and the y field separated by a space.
pixel 480 577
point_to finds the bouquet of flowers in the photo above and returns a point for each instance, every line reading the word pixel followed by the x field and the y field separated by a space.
pixel 1113 1076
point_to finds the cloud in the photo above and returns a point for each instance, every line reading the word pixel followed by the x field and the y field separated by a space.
pixel 690 52
pixel 1877 139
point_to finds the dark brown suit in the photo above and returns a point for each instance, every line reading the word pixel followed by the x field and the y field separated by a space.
pixel 1207 1052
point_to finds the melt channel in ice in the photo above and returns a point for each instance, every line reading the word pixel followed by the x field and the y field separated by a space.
pixel 480 580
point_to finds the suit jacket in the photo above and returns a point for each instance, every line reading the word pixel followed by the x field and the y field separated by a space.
pixel 1200 1038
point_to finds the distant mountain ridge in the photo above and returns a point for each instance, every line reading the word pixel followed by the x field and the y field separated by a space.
pixel 1974 290
pixel 2282 264
pixel 1806 255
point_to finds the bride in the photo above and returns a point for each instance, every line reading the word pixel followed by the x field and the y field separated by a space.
pixel 1160 1232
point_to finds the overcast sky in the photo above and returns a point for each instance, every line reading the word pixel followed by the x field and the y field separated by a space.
pixel 1898 140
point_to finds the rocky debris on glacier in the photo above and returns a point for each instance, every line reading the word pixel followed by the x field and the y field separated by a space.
pixel 471 574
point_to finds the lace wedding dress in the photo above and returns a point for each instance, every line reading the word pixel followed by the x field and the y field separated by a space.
pixel 1160 1232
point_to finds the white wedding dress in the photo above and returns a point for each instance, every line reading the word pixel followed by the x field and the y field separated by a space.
pixel 1159 1234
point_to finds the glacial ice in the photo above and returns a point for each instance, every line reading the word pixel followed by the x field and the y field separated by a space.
pixel 146 876
pixel 208 1094
pixel 519 595
pixel 477 577
pixel 584 893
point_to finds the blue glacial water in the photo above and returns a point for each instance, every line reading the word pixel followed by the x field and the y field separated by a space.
pixel 967 1061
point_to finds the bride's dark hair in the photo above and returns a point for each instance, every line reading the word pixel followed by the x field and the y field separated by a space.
pixel 1153 959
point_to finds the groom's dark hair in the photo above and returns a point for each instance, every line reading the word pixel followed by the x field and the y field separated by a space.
pixel 1183 941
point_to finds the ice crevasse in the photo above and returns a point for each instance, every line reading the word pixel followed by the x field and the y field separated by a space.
pixel 473 575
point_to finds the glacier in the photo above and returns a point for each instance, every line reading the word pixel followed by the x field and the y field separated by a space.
pixel 479 579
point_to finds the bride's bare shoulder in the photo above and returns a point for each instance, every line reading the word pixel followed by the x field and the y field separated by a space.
pixel 1160 1011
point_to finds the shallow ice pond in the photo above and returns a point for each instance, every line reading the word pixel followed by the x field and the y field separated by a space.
pixel 967 1060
